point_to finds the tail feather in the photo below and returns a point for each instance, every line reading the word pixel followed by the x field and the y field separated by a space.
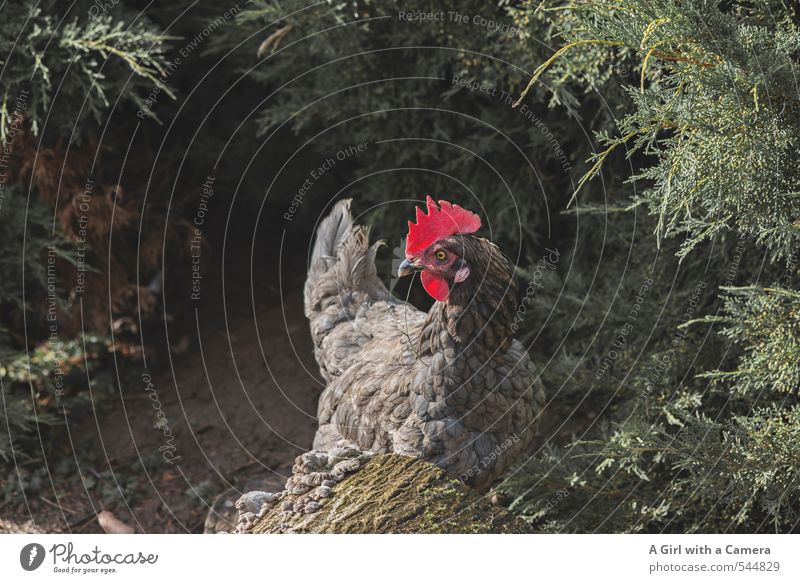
pixel 341 279
pixel 330 233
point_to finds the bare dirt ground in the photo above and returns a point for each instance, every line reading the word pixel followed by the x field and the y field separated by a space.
pixel 233 414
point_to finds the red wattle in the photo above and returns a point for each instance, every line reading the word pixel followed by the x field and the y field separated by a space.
pixel 435 285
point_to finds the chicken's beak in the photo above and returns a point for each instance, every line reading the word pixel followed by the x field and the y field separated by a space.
pixel 407 268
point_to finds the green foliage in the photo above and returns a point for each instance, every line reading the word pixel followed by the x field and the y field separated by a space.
pixel 370 76
pixel 25 252
pixel 766 322
pixel 27 238
pixel 44 387
pixel 64 68
pixel 75 63
pixel 708 476
pixel 698 406
pixel 716 108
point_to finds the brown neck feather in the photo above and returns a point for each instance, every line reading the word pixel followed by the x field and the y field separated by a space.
pixel 479 311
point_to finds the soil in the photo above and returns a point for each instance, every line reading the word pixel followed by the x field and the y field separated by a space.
pixel 235 416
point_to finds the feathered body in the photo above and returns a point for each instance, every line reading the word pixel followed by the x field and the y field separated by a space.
pixel 450 386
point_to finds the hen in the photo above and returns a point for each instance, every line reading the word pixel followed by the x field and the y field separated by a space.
pixel 449 386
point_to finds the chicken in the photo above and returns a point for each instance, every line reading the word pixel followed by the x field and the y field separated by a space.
pixel 449 386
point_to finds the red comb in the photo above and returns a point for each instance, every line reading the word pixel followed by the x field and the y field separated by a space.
pixel 440 222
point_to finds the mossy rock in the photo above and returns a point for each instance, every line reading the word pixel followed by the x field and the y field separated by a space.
pixel 397 494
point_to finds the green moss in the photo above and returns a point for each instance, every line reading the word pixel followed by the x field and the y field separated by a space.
pixel 397 494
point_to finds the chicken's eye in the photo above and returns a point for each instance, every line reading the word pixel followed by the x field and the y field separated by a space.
pixel 441 255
